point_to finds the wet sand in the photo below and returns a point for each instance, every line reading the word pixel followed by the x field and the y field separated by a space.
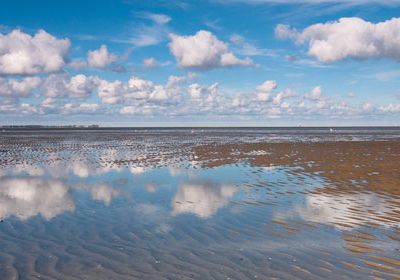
pixel 217 204
pixel 371 165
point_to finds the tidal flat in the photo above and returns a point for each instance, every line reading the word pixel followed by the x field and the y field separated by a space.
pixel 200 203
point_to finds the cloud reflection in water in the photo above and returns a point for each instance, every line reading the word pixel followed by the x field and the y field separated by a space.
pixel 27 197
pixel 200 198
pixel 100 192
pixel 343 210
pixel 24 198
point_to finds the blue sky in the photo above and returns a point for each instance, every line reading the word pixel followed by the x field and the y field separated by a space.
pixel 215 62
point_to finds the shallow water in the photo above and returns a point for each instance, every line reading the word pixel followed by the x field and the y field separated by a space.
pixel 200 204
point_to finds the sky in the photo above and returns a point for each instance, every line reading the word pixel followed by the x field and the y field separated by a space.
pixel 200 63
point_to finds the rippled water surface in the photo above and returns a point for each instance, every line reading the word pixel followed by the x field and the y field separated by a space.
pixel 200 204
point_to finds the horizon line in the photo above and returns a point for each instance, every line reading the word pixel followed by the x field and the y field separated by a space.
pixel 94 127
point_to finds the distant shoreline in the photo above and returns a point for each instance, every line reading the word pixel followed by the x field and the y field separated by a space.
pixel 95 127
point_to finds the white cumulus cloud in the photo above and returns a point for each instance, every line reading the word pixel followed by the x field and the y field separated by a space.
pixel 264 90
pixel 23 54
pixel 203 51
pixel 348 38
pixel 315 94
pixel 109 92
pixel 100 58
pixel 18 87
pixel 78 86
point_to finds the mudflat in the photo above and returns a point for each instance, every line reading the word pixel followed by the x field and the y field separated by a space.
pixel 200 204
